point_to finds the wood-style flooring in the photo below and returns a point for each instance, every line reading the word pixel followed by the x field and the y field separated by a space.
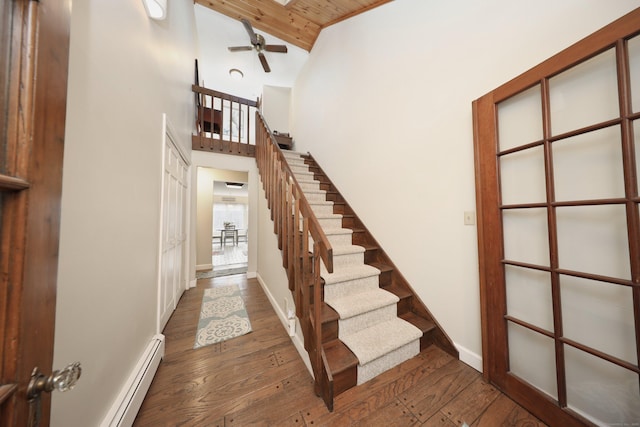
pixel 259 379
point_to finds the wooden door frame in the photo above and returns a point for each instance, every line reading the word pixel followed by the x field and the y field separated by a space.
pixel 490 249
pixel 31 210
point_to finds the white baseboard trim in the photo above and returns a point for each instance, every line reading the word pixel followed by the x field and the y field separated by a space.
pixel 297 342
pixel 125 408
pixel 201 267
pixel 192 284
pixel 470 358
pixel 252 275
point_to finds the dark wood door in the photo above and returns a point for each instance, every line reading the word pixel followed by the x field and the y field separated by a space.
pixel 34 46
pixel 557 172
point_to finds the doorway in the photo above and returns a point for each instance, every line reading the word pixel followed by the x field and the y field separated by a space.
pixel 230 228
pixel 223 230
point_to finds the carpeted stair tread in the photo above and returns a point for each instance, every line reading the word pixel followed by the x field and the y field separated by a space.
pixel 306 180
pixel 315 192
pixel 356 272
pixel 337 231
pixel 362 302
pixel 321 202
pixel 376 341
pixel 329 216
pixel 293 154
pixel 347 249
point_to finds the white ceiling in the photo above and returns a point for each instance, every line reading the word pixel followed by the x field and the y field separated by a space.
pixel 216 32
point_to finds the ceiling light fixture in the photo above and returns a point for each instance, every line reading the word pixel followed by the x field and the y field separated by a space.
pixel 156 9
pixel 234 184
pixel 236 74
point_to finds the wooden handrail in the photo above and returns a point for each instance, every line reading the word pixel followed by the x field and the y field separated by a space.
pixel 296 224
pixel 222 95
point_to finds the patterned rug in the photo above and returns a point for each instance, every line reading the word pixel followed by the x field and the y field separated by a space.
pixel 222 316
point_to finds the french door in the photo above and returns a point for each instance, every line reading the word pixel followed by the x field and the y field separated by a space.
pixel 557 154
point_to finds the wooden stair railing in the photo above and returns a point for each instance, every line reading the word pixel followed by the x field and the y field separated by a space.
pixel 295 225
pixel 223 123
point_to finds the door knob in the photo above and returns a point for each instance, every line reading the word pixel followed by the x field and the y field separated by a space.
pixel 63 380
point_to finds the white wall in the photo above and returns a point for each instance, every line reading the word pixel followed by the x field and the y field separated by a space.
pixel 387 113
pixel 272 276
pixel 276 108
pixel 125 71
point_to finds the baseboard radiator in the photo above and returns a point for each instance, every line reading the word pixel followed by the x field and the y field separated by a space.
pixel 125 408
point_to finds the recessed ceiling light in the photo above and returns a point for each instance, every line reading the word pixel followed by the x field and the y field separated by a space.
pixel 236 74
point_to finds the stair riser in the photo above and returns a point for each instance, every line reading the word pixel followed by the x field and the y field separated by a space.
pixel 316 197
pixel 386 362
pixel 306 186
pixel 342 261
pixel 298 167
pixel 339 239
pixel 365 320
pixel 335 240
pixel 301 177
pixel 350 287
pixel 322 209
pixel 329 223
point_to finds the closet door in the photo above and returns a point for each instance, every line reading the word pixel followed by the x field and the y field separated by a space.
pixel 557 154
pixel 173 258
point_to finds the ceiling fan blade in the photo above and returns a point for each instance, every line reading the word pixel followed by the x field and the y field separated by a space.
pixel 263 61
pixel 276 48
pixel 239 48
pixel 249 28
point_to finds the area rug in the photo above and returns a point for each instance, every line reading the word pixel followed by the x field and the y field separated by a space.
pixel 222 316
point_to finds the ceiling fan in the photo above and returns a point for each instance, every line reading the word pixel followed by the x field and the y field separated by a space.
pixel 258 44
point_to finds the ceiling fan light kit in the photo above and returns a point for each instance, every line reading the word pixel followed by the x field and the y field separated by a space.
pixel 258 44
pixel 236 74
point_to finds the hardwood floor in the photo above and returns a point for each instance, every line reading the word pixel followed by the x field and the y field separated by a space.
pixel 259 379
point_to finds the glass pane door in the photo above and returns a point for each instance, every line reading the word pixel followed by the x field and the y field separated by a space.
pixel 558 170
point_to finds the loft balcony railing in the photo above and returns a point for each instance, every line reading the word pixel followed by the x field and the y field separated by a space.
pixel 224 123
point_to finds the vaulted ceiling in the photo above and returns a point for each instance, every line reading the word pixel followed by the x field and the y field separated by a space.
pixel 298 22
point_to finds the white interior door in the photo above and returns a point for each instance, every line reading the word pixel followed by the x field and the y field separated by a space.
pixel 173 252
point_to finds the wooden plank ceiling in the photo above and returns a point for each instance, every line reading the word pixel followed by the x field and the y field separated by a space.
pixel 299 22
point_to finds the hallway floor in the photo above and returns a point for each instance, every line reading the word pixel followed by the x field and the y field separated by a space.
pixel 226 260
pixel 229 255
pixel 260 379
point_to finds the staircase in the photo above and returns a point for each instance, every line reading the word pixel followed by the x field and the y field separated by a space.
pixel 358 314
